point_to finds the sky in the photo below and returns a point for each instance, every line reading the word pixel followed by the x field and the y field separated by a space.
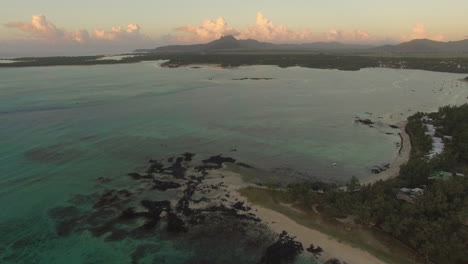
pixel 91 26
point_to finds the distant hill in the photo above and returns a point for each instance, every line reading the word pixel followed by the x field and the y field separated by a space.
pixel 426 46
pixel 230 43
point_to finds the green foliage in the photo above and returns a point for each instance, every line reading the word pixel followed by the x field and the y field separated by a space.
pixel 434 225
pixel 353 184
pixel 346 62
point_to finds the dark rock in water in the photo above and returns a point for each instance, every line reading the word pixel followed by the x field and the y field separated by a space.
pixel 285 250
pixel 65 218
pixel 137 176
pixel 163 186
pixel 175 223
pixel 107 198
pixel 102 229
pixel 156 166
pixel 393 126
pixel 365 121
pixel 154 206
pixel 199 209
pixel 129 213
pixel 379 169
pixel 315 250
pixel 240 206
pixel 111 197
pixel 334 261
pixel 241 164
pixel 117 235
pixel 219 160
pixel 188 156
pixel 253 78
pixel 183 203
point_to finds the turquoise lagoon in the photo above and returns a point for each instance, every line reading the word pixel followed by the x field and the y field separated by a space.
pixel 61 128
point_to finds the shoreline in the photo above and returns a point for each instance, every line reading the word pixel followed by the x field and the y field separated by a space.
pixel 278 222
pixel 401 157
pixel 332 247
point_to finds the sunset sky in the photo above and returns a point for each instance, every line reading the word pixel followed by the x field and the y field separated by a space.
pixel 96 26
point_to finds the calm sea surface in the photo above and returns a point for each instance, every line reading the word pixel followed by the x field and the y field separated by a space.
pixel 61 128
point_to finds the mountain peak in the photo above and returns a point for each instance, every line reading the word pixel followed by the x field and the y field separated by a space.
pixel 228 38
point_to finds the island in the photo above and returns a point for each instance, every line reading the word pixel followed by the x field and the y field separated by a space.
pixel 230 52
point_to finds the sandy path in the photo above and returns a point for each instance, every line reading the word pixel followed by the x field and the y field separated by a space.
pixel 400 159
pixel 332 247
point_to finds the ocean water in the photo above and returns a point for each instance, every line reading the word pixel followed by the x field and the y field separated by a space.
pixel 62 128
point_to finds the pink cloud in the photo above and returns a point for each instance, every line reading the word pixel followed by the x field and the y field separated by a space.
pixel 356 36
pixel 41 29
pixel 131 31
pixel 419 32
pixel 209 30
pixel 265 30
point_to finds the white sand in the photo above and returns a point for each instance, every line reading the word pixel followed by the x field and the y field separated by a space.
pixel 400 158
pixel 278 222
pixel 332 247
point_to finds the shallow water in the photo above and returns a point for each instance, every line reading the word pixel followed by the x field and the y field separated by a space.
pixel 63 127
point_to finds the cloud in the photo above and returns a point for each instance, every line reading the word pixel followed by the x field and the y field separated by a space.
pixel 132 31
pixel 356 36
pixel 41 29
pixel 209 30
pixel 419 32
pixel 265 30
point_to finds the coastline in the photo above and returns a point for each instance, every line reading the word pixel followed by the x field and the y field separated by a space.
pixel 332 247
pixel 401 157
pixel 278 222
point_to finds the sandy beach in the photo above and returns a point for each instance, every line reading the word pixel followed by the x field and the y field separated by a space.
pixel 400 158
pixel 278 222
pixel 332 248
pixel 307 236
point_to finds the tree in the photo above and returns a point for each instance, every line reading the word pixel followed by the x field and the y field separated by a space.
pixel 353 184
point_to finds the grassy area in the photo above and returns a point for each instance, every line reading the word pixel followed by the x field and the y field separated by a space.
pixel 378 244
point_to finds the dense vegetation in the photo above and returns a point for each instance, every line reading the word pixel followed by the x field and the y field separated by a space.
pixel 435 223
pixel 281 59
